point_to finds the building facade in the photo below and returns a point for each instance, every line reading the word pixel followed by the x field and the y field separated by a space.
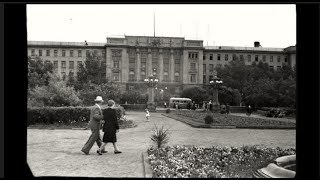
pixel 177 63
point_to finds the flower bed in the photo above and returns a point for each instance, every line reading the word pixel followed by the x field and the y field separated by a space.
pixel 215 162
pixel 196 119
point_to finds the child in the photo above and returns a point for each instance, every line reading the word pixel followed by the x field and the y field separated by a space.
pixel 147 114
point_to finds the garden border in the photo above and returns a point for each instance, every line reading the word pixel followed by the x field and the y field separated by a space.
pixel 147 171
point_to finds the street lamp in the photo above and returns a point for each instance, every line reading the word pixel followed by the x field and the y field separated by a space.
pixel 215 83
pixel 151 82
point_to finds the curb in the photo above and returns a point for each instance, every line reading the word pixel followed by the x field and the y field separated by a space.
pixel 147 171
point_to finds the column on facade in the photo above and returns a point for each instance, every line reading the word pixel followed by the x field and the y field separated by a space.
pixel 124 66
pixel 108 64
pixel 185 70
pixel 160 65
pixel 171 66
pixel 138 65
pixel 149 63
pixel 200 68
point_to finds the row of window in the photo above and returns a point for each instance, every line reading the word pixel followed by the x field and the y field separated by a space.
pixel 132 77
pixel 63 64
pixel 55 53
pixel 241 57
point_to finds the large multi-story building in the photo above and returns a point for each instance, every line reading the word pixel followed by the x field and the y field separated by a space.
pixel 177 63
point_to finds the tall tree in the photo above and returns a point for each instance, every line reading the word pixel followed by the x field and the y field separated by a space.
pixel 38 72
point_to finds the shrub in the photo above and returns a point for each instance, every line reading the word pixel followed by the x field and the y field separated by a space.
pixel 168 111
pixel 208 119
pixel 223 109
pixel 160 136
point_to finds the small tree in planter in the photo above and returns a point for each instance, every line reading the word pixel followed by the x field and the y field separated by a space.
pixel 160 136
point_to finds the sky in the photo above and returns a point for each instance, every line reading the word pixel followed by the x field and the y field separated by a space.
pixel 216 25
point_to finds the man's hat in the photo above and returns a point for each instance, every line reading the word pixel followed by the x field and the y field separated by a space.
pixel 99 98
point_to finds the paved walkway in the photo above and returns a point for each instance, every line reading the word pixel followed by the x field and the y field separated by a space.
pixel 57 152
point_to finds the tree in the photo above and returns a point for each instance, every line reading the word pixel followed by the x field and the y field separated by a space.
pixel 92 70
pixel 38 72
pixel 196 94
pixel 56 93
pixel 107 90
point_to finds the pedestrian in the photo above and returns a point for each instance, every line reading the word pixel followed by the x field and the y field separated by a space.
pixel 165 105
pixel 110 128
pixel 147 114
pixel 249 110
pixel 94 125
pixel 228 108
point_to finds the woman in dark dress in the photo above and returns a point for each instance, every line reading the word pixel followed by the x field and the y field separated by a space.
pixel 110 127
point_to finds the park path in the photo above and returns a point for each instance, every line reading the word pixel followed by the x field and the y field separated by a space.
pixel 57 152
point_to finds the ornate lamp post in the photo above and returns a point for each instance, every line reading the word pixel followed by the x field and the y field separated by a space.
pixel 151 82
pixel 215 83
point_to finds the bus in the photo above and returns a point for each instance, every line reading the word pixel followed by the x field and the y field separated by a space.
pixel 181 102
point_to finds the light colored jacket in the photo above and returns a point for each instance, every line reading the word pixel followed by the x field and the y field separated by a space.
pixel 95 117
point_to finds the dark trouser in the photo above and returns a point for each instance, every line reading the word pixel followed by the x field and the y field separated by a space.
pixel 95 137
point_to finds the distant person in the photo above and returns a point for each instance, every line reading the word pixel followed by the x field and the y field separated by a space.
pixel 228 108
pixel 110 127
pixel 165 105
pixel 147 114
pixel 210 105
pixel 249 110
pixel 94 124
pixel 174 105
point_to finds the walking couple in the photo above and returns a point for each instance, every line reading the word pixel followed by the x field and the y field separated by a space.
pixel 107 119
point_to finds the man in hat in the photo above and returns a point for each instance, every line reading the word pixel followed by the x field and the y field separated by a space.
pixel 94 124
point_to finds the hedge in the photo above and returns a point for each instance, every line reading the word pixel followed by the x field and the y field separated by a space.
pixel 134 106
pixel 64 115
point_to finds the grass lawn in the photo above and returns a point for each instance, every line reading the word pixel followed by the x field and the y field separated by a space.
pixel 214 162
pixel 196 119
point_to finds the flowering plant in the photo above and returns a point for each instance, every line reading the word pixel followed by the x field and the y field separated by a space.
pixel 214 162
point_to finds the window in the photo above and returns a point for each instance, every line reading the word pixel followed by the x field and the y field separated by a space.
pixel 71 64
pixel 116 64
pixel 79 53
pixel 278 67
pixel 256 58
pixel 226 57
pixel 40 52
pixel 55 65
pixel 32 52
pixel 63 53
pixel 193 78
pixel 71 53
pixel 211 56
pixel 204 57
pixel 55 53
pixel 204 79
pixel 285 59
pixel 210 78
pixel 63 75
pixel 63 64
pixel 48 52
pixel 131 75
pixel 47 61
pixel 176 67
pixel 78 64
pixel 271 67
pixel 193 55
pixel 234 57
pixel 176 77
pixel 131 88
pixel 204 69
pixel 241 57
pixel 143 75
pixel 165 76
pixel 278 58
pixel 271 58
pixel 71 74
pixel 116 76
pixel 193 66
pixel 249 58
pixel 218 57
pixel 210 67
pixel 264 58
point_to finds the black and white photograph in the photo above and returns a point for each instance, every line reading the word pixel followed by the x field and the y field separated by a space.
pixel 161 90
